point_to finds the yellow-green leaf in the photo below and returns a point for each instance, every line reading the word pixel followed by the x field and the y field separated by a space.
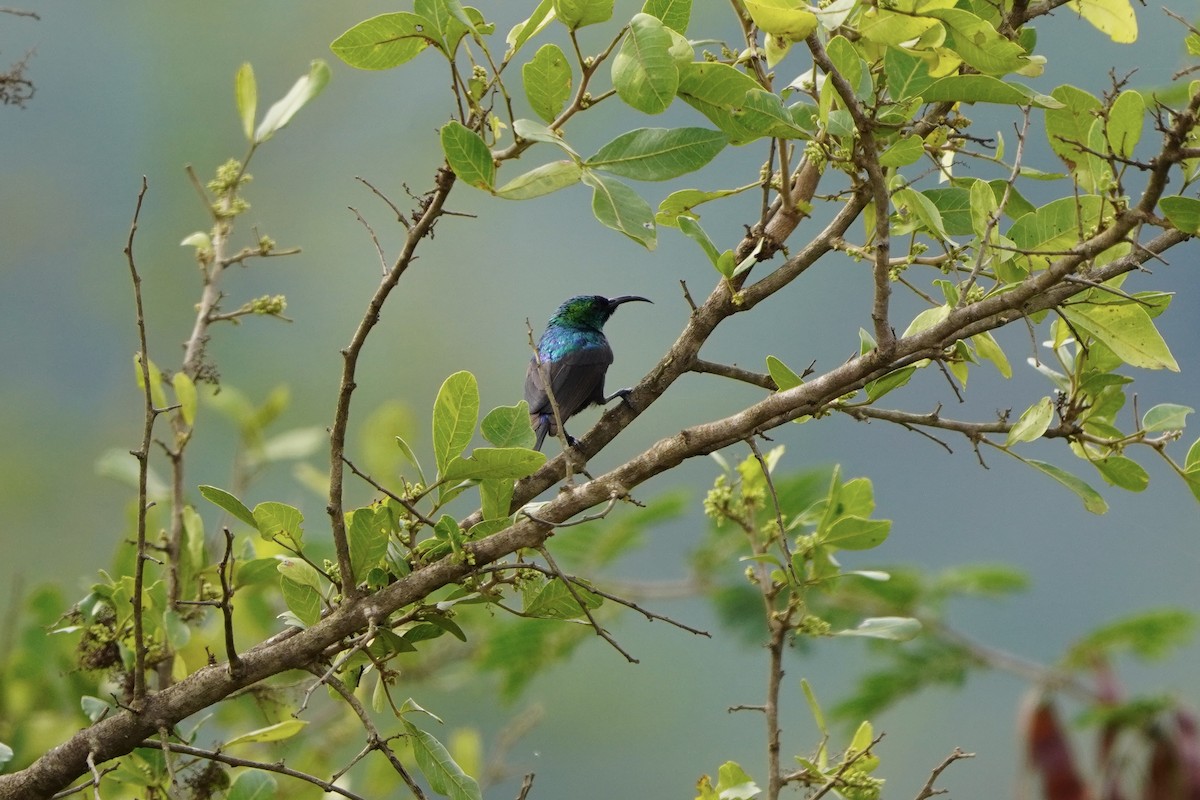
pixel 272 733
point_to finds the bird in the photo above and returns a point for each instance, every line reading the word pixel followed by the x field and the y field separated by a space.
pixel 573 354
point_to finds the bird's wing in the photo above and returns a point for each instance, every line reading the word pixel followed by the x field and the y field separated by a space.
pixel 577 379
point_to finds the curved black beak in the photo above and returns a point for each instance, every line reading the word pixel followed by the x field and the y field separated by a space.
pixel 626 298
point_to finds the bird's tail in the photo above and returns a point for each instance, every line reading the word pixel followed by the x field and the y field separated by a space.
pixel 541 426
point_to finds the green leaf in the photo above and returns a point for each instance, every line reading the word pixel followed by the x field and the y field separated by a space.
pixel 383 42
pixel 468 155
pixel 907 150
pixel 1115 18
pixel 907 75
pixel 715 90
pixel 690 228
pixel 1192 460
pixel 1149 635
pixel 299 582
pixel 985 89
pixel 675 14
pixel 1033 423
pixel 1166 417
pixel 444 775
pixel 684 201
pixel 543 180
pixel 304 90
pixel 921 210
pixel 253 784
pixel 495 498
pixel 617 206
pixel 368 531
pixel 272 733
pixel 734 784
pixel 578 13
pixel 989 350
pixel 547 79
pixel 1092 500
pixel 782 374
pixel 896 629
pixel 1183 212
pixel 893 380
pixel 954 205
pixel 489 463
pixel 450 22
pixel 1127 330
pixel 246 93
pixel 1123 472
pixel 856 533
pixel 279 519
pixel 658 154
pixel 158 395
pixel 508 426
pixel 223 499
pixel 1054 227
pixel 1069 127
pixel 555 601
pixel 643 71
pixel 927 319
pixel 764 113
pixel 455 411
pixel 978 43
pixel 1125 120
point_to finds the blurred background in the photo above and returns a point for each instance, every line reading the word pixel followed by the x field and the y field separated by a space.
pixel 127 89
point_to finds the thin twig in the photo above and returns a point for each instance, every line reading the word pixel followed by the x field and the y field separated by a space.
pixel 278 767
pixel 142 454
pixel 927 790
pixel 603 634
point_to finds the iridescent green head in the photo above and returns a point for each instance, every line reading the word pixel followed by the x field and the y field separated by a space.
pixel 590 310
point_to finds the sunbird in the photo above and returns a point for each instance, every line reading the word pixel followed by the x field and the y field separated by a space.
pixel 573 354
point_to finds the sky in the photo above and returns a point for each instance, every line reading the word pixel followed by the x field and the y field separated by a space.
pixel 127 89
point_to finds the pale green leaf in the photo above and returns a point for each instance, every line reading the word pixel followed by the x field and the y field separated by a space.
pixel 272 733
pixel 1033 423
pixel 1127 330
pixel 304 90
pixel 523 31
pixel 1166 417
pixel 617 206
pixel 1092 500
pixel 643 72
pixel 185 394
pixel 543 180
pixel 896 629
pixel 246 94
pixel 578 13
pixel 1114 18
pixel 985 89
pixel 784 18
pixel 785 378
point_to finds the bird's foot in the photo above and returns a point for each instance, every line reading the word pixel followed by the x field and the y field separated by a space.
pixel 621 393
